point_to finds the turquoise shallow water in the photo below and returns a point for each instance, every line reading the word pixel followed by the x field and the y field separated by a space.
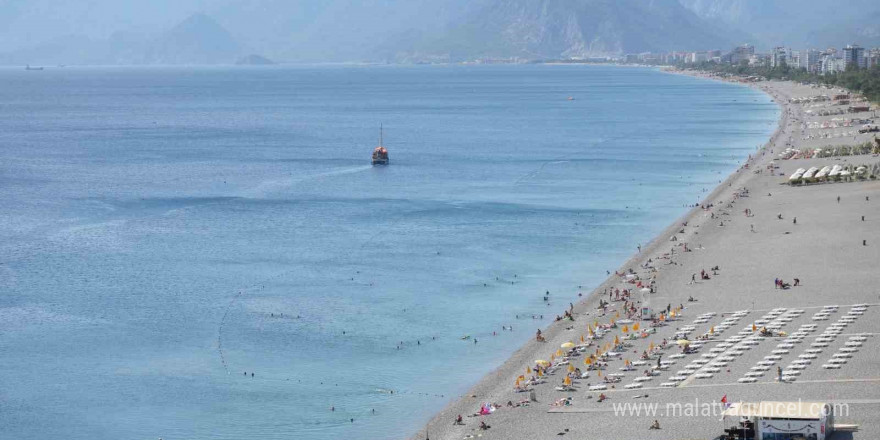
pixel 157 223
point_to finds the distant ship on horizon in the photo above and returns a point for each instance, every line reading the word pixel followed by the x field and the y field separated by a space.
pixel 380 154
pixel 28 67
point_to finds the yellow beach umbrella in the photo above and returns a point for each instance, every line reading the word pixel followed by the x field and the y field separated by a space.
pixel 558 353
pixel 625 329
pixel 566 381
pixel 528 370
pixel 582 338
pixel 754 327
pixel 599 373
pixel 588 361
pixel 571 368
pixel 542 362
pixel 568 345
pixel 683 342
pixel 712 330
pixel 540 373
pixel 636 326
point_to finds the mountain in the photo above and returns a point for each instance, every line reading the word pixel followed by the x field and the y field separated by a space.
pixel 552 29
pixel 794 23
pixel 864 31
pixel 254 60
pixel 198 39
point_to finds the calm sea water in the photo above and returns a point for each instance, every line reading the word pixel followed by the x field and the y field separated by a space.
pixel 163 231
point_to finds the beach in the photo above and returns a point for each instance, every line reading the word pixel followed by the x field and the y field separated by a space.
pixel 752 230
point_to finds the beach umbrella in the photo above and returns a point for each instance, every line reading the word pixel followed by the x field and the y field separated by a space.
pixel 540 373
pixel 662 317
pixel 625 329
pixel 599 373
pixel 616 340
pixel 636 326
pixel 712 330
pixel 528 370
pixel 683 342
pixel 566 381
pixel 754 328
pixel 582 338
pixel 558 353
pixel 571 368
pixel 568 345
pixel 521 377
pixel 588 361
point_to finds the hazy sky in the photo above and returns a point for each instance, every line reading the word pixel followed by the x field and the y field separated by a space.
pixel 292 29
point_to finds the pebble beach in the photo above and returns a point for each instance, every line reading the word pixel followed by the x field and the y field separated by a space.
pixel 796 261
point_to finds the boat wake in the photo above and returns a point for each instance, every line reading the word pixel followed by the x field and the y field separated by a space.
pixel 269 187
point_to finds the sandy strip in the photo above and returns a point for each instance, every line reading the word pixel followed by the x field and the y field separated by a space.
pixel 824 249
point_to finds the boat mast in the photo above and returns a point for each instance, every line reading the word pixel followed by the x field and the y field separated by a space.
pixel 380 135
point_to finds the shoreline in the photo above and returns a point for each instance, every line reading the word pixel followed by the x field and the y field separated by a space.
pixel 590 300
pixel 496 385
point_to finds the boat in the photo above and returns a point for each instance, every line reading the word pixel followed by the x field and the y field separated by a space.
pixel 380 154
pixel 28 67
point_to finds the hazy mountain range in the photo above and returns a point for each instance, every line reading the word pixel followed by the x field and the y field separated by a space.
pixel 226 31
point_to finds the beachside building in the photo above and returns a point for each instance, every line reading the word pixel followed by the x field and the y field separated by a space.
pixel 698 57
pixel 779 56
pixel 741 53
pixel 854 54
pixel 873 58
pixel 832 64
pixel 795 58
pixel 759 59
pixel 810 59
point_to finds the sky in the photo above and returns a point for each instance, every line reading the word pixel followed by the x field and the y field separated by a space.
pixel 308 29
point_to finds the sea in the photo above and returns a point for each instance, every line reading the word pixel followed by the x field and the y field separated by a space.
pixel 207 252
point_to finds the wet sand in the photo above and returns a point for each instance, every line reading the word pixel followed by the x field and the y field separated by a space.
pixel 824 249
